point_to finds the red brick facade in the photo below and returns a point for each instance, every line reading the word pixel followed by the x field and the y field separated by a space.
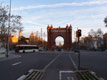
pixel 66 33
pixel 105 41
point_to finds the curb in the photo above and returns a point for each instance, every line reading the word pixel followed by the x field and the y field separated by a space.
pixel 2 56
pixel 8 58
pixel 32 74
pixel 87 75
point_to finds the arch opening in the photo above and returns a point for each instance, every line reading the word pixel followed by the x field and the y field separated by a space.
pixel 59 43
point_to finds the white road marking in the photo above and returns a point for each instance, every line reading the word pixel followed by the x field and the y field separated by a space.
pixel 22 77
pixel 51 62
pixel 16 63
pixel 75 66
pixel 70 78
pixel 60 73
pixel 18 57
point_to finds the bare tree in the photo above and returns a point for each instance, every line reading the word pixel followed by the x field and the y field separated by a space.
pixel 96 38
pixel 92 33
pixel 4 18
pixel 15 21
pixel 105 20
pixel 99 33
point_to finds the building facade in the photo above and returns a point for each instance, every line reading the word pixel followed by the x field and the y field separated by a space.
pixel 105 41
pixel 66 33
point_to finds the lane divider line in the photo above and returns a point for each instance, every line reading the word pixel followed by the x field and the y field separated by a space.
pixel 74 64
pixel 51 62
pixel 16 63
pixel 43 71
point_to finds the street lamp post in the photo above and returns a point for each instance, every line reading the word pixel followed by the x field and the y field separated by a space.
pixel 8 31
pixel 44 40
pixel 41 37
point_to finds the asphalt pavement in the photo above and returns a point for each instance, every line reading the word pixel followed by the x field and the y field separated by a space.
pixel 93 60
pixel 56 65
pixel 13 68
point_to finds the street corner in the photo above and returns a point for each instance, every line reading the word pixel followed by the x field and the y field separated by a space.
pixel 11 56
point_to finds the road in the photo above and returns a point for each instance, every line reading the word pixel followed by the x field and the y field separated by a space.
pixel 95 61
pixel 56 65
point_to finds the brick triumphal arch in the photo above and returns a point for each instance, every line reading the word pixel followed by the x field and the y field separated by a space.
pixel 66 33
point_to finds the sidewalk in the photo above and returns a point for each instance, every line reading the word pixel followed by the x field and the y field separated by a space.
pixel 2 55
pixel 11 56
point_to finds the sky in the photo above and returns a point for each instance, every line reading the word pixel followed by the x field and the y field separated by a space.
pixel 81 14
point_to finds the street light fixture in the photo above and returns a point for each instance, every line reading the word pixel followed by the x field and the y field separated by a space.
pixel 8 30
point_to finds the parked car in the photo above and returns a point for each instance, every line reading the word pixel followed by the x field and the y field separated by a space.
pixel 76 50
pixel 40 48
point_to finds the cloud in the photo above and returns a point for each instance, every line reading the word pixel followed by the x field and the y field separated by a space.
pixel 84 18
pixel 93 2
pixel 91 17
pixel 69 16
pixel 33 20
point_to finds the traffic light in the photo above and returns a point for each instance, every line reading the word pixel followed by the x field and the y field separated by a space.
pixel 78 33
